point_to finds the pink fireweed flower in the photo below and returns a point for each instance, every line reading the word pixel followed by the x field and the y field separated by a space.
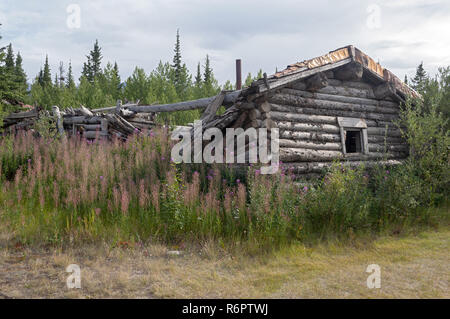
pixel 305 189
pixel 124 201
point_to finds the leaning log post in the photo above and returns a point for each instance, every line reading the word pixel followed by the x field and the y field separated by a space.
pixel 104 127
pixel 118 106
pixel 59 120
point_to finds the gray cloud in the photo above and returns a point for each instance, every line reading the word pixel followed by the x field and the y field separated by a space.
pixel 265 34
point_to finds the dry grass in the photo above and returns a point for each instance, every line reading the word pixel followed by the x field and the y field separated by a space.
pixel 411 267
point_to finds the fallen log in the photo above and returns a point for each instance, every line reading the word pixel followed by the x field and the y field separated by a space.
pixel 229 99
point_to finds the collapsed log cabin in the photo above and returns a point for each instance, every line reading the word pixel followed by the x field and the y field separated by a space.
pixel 339 106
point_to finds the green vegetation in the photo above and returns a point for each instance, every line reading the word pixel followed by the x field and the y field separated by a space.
pixel 59 190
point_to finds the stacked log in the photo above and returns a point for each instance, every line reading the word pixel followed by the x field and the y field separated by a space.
pixel 21 120
pixel 306 114
pixel 88 123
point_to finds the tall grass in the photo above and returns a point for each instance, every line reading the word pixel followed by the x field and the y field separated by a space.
pixel 67 190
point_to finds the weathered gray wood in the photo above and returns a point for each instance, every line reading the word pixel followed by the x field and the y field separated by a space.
pixel 305 127
pixel 22 115
pixel 104 126
pixel 241 120
pixel 118 107
pixel 352 71
pixel 347 91
pixel 391 132
pixel 254 114
pixel 306 155
pixel 264 107
pixel 297 117
pixel 310 136
pixel 322 103
pixel 70 120
pixel 378 139
pixel 59 120
pixel 350 84
pixel 269 124
pixel 317 111
pixel 246 105
pixel 344 99
pixel 301 74
pixel 318 167
pixel 92 127
pixel 316 82
pixel 384 90
pixel 230 98
pixel 93 134
pixel 351 122
pixel 389 147
pixel 212 108
pixel 309 145
pixel 85 111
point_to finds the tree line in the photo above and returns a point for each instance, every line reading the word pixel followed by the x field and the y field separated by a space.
pixel 100 84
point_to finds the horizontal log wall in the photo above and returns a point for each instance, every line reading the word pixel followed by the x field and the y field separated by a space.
pixel 310 138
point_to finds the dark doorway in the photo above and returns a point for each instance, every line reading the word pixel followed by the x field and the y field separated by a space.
pixel 353 141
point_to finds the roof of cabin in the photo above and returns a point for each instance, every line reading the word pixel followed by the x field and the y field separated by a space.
pixel 329 61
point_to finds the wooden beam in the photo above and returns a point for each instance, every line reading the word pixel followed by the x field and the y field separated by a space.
pixel 212 108
pixel 229 99
pixel 352 71
pixel 316 82
pixel 384 90
pixel 276 83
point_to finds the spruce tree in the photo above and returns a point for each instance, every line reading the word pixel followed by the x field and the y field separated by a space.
pixel 420 79
pixel 116 83
pixel 198 77
pixel 92 67
pixel 96 60
pixel 46 75
pixel 21 77
pixel 207 73
pixel 40 78
pixel 61 74
pixel 177 59
pixel 70 83
pixel 248 80
pixel 9 60
pixel 210 85
pixel 86 72
pixel 181 78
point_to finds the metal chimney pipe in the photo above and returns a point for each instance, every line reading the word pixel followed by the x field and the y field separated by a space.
pixel 238 74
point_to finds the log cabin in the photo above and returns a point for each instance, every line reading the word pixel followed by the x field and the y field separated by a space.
pixel 338 106
pixel 341 106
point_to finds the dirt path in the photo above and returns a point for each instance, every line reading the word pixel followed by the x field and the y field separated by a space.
pixel 411 267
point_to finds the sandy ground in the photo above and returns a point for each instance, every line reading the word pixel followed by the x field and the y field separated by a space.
pixel 411 267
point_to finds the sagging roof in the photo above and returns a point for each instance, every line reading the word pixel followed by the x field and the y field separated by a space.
pixel 331 60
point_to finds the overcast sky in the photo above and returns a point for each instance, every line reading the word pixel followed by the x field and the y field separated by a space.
pixel 264 34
